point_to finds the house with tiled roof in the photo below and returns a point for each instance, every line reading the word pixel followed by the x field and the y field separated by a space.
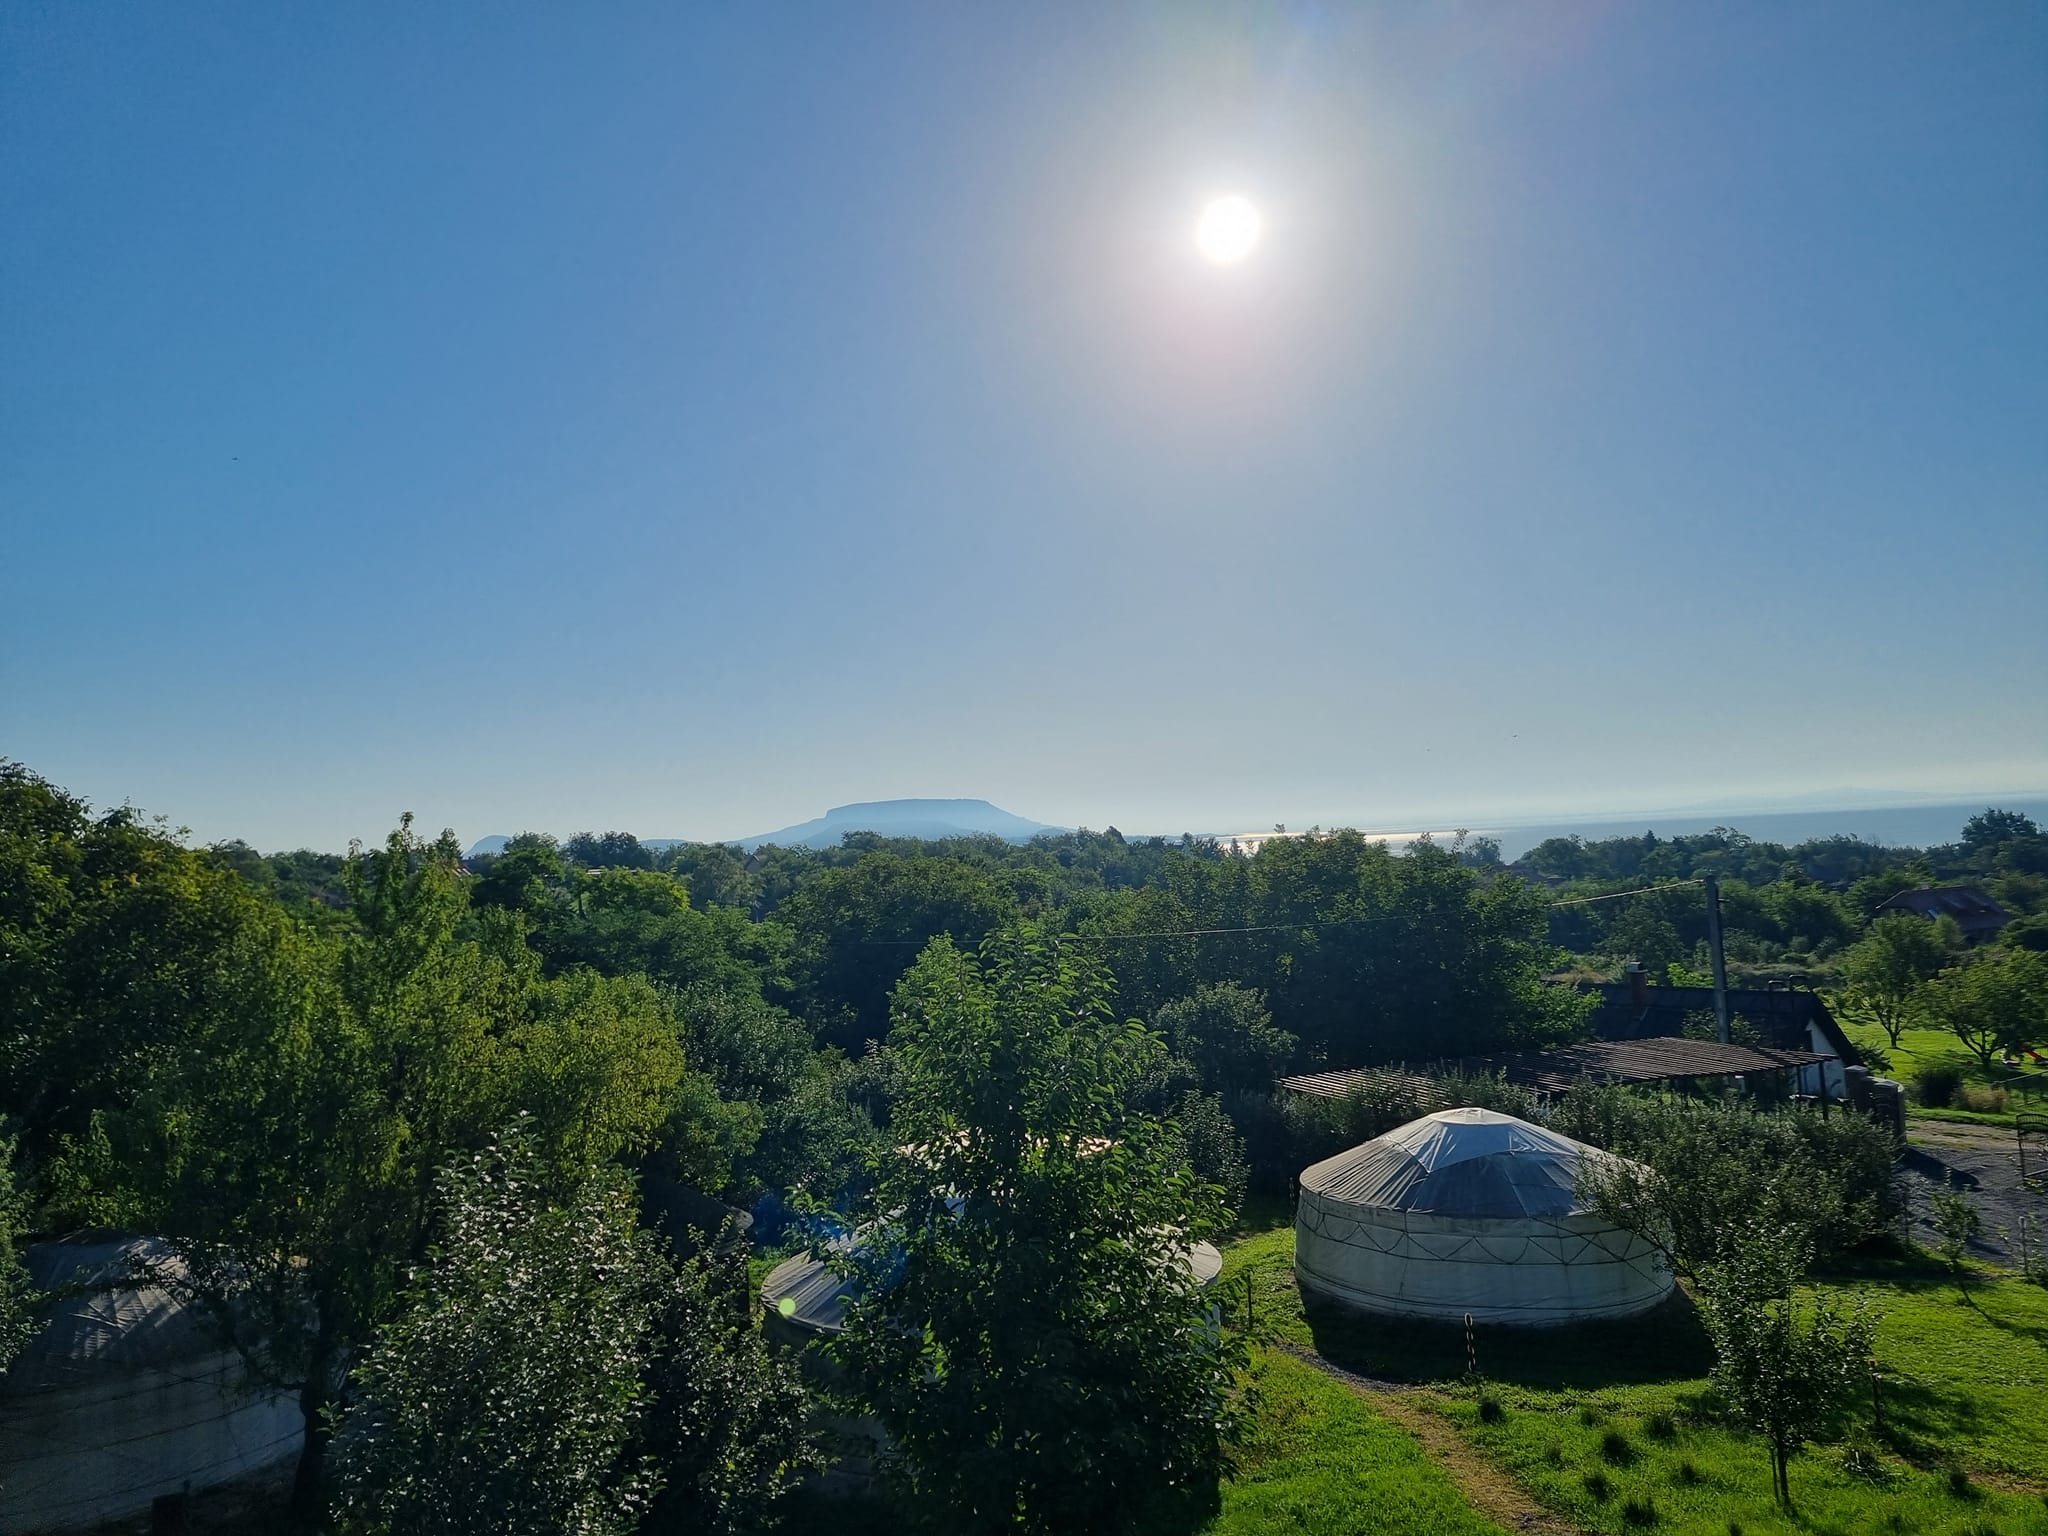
pixel 1975 913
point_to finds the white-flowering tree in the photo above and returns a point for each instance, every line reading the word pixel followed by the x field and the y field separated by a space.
pixel 555 1373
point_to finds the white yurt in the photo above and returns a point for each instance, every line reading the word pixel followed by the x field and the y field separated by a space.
pixel 124 1394
pixel 1468 1212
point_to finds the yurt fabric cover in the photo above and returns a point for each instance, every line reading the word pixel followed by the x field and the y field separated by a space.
pixel 1469 1212
pixel 125 1393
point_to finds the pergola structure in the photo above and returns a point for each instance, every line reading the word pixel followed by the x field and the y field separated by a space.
pixel 1658 1060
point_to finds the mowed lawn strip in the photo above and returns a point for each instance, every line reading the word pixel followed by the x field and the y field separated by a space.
pixel 1322 1461
pixel 1321 1458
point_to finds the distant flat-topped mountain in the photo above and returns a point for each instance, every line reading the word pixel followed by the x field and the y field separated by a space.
pixel 905 818
pixel 891 818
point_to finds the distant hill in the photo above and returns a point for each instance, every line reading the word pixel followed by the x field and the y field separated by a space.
pixel 495 844
pixel 905 818
pixel 891 818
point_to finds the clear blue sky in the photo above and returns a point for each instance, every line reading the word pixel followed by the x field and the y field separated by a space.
pixel 685 418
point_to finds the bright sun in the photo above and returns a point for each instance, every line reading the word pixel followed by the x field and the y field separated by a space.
pixel 1229 229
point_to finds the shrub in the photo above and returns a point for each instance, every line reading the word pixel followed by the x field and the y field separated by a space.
pixel 1661 1426
pixel 1213 1148
pixel 1985 1101
pixel 1615 1449
pixel 1284 1133
pixel 1687 1473
pixel 1936 1087
pixel 1959 1484
pixel 1458 1090
pixel 1718 1167
pixel 1598 1486
pixel 1589 1415
pixel 1376 1105
pixel 1490 1410
pixel 1639 1512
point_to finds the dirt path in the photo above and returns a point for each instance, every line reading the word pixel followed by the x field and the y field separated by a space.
pixel 1488 1489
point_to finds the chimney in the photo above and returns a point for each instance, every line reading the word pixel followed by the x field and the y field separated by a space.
pixel 1638 984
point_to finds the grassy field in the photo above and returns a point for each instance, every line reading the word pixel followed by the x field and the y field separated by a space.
pixel 1612 1427
pixel 1919 1049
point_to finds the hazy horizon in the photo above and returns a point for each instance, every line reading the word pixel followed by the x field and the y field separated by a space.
pixel 688 420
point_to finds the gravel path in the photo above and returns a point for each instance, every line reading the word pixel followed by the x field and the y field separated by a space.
pixel 1983 1162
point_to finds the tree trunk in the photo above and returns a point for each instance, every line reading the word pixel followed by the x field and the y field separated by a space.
pixel 315 1397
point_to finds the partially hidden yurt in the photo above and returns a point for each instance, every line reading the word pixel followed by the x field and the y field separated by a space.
pixel 124 1393
pixel 805 1298
pixel 1468 1212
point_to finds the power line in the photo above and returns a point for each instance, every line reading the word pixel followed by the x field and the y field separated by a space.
pixel 1313 922
pixel 1641 890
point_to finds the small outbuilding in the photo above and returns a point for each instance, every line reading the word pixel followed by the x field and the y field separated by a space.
pixel 1469 1213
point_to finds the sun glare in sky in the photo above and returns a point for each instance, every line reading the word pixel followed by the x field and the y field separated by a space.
pixel 1229 230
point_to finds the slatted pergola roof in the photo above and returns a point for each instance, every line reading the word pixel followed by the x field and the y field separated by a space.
pixel 1603 1061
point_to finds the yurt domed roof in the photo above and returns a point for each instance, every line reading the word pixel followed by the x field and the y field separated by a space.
pixel 1472 1163
pixel 111 1314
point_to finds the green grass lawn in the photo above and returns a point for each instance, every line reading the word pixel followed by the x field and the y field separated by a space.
pixel 1612 1425
pixel 1322 1461
pixel 1919 1049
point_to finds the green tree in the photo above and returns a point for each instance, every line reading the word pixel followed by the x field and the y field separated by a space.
pixel 17 1296
pixel 1956 1221
pixel 1884 972
pixel 612 850
pixel 529 876
pixel 727 1424
pixel 717 874
pixel 626 922
pixel 1225 1033
pixel 1786 1370
pixel 1037 1348
pixel 116 945
pixel 808 1131
pixel 289 1152
pixel 1986 830
pixel 857 930
pixel 1696 1176
pixel 2026 933
pixel 1995 1001
pixel 1214 1150
pixel 505 1398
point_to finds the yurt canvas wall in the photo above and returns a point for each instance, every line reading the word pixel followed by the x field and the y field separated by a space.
pixel 124 1394
pixel 1468 1213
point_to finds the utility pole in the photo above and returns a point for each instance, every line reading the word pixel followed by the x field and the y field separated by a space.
pixel 1720 957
